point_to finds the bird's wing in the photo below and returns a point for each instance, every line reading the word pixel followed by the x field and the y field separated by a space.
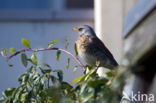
pixel 101 51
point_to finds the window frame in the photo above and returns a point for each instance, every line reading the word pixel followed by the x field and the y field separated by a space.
pixel 46 15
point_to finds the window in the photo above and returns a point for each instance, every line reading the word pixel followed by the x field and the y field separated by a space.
pixel 46 9
pixel 45 4
pixel 23 4
pixel 79 4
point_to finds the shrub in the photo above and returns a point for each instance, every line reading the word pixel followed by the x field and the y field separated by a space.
pixel 42 84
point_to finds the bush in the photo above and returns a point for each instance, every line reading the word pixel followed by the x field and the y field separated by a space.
pixel 42 84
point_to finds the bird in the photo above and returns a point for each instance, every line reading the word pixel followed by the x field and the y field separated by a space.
pixel 91 49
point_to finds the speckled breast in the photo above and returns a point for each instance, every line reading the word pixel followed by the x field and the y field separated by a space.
pixel 83 48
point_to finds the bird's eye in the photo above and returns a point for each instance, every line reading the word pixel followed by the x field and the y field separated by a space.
pixel 80 29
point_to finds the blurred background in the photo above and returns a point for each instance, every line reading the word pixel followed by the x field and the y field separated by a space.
pixel 41 21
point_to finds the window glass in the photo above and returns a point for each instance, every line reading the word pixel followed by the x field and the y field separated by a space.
pixel 79 4
pixel 24 4
pixel 46 4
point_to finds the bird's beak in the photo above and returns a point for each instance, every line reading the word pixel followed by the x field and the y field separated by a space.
pixel 75 29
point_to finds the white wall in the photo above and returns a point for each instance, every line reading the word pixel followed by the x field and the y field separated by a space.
pixel 108 24
pixel 39 34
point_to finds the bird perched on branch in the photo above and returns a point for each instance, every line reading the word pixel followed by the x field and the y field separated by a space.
pixel 91 49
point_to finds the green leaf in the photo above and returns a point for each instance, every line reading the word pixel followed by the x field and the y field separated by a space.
pixel 12 50
pixel 59 74
pixel 34 58
pixel 54 79
pixel 25 43
pixel 68 63
pixel 81 78
pixel 52 43
pixel 87 95
pixel 66 85
pixel 43 79
pixel 3 52
pixel 75 47
pixel 46 65
pixel 10 65
pixel 2 100
pixel 97 83
pixel 58 54
pixel 23 78
pixel 8 92
pixel 24 97
pixel 67 44
pixel 90 73
pixel 24 59
pixel 109 74
pixel 31 69
pixel 97 63
pixel 54 93
pixel 45 70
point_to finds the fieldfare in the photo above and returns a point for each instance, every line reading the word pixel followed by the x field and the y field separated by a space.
pixel 91 49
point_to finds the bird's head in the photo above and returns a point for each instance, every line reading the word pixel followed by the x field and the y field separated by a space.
pixel 85 30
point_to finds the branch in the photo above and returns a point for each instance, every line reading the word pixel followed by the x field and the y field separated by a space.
pixel 43 49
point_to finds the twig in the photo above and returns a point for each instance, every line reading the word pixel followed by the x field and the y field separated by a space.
pixel 43 49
